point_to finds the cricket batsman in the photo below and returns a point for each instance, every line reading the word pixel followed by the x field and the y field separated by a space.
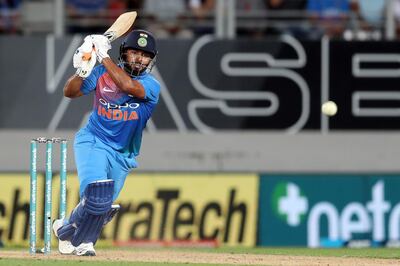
pixel 125 95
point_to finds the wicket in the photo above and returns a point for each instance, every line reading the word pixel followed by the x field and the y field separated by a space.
pixel 48 190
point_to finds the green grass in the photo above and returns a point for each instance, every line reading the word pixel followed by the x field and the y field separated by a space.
pixel 382 253
pixel 47 262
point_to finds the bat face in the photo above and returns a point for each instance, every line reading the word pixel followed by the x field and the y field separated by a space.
pixel 121 26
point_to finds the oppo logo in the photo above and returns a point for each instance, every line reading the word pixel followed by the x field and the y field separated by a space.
pixel 118 106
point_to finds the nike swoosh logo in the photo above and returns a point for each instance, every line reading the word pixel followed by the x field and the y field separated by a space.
pixel 106 89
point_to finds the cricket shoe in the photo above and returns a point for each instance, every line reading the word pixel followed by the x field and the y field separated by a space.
pixel 85 249
pixel 64 247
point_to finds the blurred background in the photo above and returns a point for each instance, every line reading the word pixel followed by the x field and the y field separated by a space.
pixel 238 151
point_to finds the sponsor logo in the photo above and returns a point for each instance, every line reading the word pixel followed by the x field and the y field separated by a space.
pixel 107 89
pixel 289 203
pixel 175 208
pixel 118 106
pixel 113 111
pixel 153 207
pixel 375 217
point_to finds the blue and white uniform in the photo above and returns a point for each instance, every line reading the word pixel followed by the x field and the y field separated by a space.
pixel 107 146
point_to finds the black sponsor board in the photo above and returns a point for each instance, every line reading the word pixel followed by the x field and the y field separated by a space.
pixel 210 84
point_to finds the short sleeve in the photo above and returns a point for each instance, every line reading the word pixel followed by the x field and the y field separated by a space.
pixel 89 84
pixel 152 89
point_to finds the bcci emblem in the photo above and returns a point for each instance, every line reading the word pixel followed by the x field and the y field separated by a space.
pixel 142 42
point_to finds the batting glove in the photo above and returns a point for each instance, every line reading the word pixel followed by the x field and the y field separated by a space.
pixel 86 67
pixel 85 48
pixel 102 45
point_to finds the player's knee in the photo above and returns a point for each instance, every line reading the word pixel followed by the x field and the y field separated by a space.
pixel 91 211
pixel 98 197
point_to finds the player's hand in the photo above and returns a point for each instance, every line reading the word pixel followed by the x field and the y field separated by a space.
pixel 86 47
pixel 102 45
pixel 86 67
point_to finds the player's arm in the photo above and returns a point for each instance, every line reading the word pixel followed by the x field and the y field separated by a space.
pixel 72 88
pixel 123 80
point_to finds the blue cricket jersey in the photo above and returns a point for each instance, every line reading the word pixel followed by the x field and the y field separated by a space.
pixel 118 119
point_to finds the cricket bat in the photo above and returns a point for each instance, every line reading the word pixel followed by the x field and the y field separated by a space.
pixel 121 25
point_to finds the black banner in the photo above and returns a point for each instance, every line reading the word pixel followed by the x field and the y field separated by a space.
pixel 211 85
